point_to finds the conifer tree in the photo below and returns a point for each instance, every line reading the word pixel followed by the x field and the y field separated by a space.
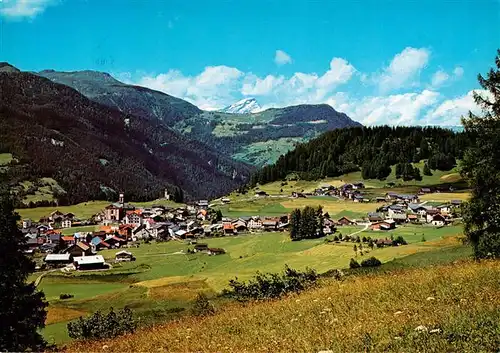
pixel 22 309
pixel 427 170
pixel 481 168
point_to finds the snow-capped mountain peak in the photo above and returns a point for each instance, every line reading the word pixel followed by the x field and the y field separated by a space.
pixel 244 106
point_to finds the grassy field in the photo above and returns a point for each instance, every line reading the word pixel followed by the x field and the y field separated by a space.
pixel 163 281
pixel 457 305
pixel 73 230
pixel 446 196
pixel 275 206
pixel 5 158
pixel 438 177
pixel 84 210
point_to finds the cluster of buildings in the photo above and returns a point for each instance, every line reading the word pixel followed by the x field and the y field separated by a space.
pixel 388 216
pixel 122 223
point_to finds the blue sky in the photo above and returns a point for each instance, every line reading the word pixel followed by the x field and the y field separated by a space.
pixel 397 62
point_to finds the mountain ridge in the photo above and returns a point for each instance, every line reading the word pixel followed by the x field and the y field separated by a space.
pixel 55 131
pixel 252 138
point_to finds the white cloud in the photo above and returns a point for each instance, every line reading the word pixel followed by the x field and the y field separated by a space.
pixel 458 72
pixel 282 58
pixel 300 87
pixel 450 111
pixel 219 86
pixel 404 69
pixel 18 9
pixel 211 89
pixel 398 109
pixel 256 86
pixel 439 78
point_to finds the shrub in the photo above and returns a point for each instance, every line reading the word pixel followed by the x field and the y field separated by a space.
pixel 66 296
pixel 202 305
pixel 272 285
pixel 100 325
pixel 354 264
pixel 399 241
pixel 335 238
pixel 371 262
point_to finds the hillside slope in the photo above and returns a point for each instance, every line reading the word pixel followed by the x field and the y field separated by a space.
pixel 257 138
pixel 54 131
pixel 371 150
pixel 447 308
pixel 134 100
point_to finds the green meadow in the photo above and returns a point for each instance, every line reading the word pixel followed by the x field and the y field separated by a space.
pixel 164 279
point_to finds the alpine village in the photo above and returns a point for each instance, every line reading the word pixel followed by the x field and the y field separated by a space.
pixel 162 192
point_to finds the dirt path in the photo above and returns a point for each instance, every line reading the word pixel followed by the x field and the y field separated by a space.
pixel 39 279
pixel 361 230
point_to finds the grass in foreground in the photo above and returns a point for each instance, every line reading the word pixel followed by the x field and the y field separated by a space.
pixel 161 284
pixel 457 305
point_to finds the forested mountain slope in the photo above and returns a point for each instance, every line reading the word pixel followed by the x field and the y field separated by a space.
pixel 369 149
pixel 257 138
pixel 90 149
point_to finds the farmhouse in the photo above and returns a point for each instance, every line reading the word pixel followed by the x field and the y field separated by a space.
pixel 270 224
pixel 298 195
pixel 79 249
pixel 375 217
pixel 446 208
pixel 115 241
pixel 26 223
pixel 124 256
pixel 430 213
pixel 255 223
pixel 344 221
pixel 438 220
pixel 215 251
pixel 358 198
pixel 240 226
pixel 425 191
pixel 200 247
pixel 56 216
pixel 58 259
pixel 89 262
pixel 413 218
pixel 97 243
pixel 384 225
pixel 203 203
pixel 383 242
pixel 134 218
pixel 391 196
pixel 68 240
pixel 66 223
pixel 399 217
pixel 228 229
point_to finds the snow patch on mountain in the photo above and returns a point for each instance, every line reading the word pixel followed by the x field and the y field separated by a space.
pixel 244 106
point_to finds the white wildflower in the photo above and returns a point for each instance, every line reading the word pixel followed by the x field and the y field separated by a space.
pixel 421 328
